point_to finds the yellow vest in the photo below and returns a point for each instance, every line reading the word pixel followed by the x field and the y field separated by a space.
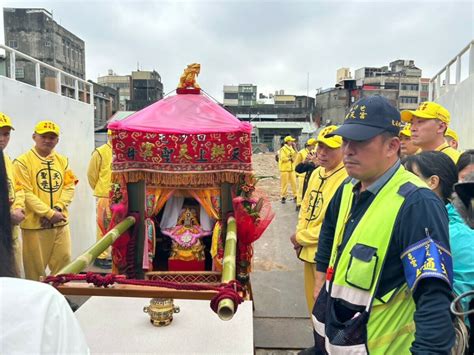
pixel 16 195
pixel 100 170
pixel 287 156
pixel 449 151
pixel 47 182
pixel 321 188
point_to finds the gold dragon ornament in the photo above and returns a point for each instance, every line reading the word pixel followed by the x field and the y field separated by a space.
pixel 188 79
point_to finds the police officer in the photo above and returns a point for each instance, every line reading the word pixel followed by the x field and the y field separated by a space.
pixel 48 183
pixel 15 193
pixel 429 123
pixel 300 158
pixel 99 175
pixel 384 269
pixel 322 185
pixel 286 165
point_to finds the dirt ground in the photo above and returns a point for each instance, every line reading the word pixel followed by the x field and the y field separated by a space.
pixel 265 166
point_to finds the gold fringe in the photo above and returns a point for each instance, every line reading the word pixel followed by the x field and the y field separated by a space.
pixel 182 179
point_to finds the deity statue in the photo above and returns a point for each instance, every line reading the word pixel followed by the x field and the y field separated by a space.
pixel 188 79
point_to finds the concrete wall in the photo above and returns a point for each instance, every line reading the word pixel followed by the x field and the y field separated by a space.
pixel 458 99
pixel 26 105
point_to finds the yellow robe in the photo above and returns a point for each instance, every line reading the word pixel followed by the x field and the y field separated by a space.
pixel 286 159
pixel 99 172
pixel 47 182
pixel 99 175
pixel 449 151
pixel 300 157
pixel 321 187
pixel 16 197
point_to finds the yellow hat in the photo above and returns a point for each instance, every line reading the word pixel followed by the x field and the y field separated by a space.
pixel 47 127
pixel 427 110
pixel 406 130
pixel 311 141
pixel 452 133
pixel 331 142
pixel 289 139
pixel 5 121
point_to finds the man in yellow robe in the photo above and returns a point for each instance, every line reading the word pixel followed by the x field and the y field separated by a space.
pixel 286 165
pixel 15 193
pixel 322 185
pixel 99 175
pixel 48 183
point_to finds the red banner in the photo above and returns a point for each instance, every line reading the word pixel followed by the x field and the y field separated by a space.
pixel 181 153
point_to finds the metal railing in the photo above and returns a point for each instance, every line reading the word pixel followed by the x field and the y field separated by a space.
pixel 59 74
pixel 435 82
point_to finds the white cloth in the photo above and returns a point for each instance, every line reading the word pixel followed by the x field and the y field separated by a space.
pixel 36 319
pixel 172 211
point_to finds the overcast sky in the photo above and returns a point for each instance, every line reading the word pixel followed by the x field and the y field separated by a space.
pixel 272 44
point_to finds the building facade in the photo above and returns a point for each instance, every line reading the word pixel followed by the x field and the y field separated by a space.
pixel 106 103
pixel 120 83
pixel 240 95
pixel 34 32
pixel 401 75
pixel 145 88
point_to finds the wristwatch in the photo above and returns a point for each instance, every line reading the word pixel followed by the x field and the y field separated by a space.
pixel 59 209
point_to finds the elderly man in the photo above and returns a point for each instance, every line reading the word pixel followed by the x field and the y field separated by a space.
pixel 48 183
pixel 429 123
pixel 384 270
pixel 322 185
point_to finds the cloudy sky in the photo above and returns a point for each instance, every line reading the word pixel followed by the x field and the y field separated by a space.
pixel 273 44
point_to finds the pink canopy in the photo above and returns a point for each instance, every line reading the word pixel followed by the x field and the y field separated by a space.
pixel 183 114
pixel 183 140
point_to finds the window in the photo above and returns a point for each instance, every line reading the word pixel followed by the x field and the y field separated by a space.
pixel 424 87
pixel 230 96
pixel 408 100
pixel 13 44
pixel 47 44
pixel 411 87
pixel 20 73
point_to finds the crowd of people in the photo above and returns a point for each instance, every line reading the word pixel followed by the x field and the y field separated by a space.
pixel 385 230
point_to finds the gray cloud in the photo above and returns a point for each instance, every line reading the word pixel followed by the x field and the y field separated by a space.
pixel 271 44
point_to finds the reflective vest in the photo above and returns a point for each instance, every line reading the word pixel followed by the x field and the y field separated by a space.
pixel 382 326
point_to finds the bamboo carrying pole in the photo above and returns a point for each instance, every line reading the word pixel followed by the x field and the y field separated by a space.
pixel 94 251
pixel 225 309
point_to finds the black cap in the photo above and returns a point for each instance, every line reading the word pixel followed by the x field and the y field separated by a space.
pixel 369 117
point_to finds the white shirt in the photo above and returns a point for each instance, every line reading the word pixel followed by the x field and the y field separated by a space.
pixel 36 319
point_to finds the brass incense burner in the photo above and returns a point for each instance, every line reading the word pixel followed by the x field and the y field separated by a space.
pixel 161 311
